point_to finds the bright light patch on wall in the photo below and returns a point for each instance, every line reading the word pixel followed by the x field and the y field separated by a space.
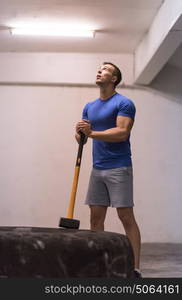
pixel 65 32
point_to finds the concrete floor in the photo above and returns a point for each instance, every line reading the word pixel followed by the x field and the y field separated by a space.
pixel 161 260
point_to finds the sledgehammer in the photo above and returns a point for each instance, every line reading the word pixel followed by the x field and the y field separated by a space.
pixel 69 222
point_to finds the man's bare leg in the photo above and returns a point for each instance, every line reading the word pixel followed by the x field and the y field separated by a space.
pixel 97 217
pixel 132 231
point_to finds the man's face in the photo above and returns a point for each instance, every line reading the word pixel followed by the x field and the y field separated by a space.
pixel 105 75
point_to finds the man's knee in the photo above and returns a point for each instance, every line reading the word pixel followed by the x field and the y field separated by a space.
pixel 126 215
pixel 96 220
pixel 97 217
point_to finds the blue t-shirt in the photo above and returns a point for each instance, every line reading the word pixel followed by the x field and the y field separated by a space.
pixel 102 114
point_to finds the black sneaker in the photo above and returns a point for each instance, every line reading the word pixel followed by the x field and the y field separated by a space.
pixel 137 274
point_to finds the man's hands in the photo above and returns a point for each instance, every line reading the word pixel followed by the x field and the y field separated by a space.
pixel 84 126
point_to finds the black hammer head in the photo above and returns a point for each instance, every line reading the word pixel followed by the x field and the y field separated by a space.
pixel 69 223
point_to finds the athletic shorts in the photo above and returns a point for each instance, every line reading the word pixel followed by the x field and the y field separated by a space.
pixel 111 187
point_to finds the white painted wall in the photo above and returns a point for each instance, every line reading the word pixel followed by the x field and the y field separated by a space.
pixel 38 154
pixel 56 68
pixel 157 165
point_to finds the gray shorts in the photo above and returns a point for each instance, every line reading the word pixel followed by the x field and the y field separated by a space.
pixel 111 187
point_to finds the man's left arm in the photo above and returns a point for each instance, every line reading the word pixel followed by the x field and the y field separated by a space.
pixel 119 133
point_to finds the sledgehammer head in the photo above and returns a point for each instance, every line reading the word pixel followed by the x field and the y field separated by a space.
pixel 69 223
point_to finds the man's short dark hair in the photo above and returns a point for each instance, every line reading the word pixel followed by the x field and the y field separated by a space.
pixel 116 72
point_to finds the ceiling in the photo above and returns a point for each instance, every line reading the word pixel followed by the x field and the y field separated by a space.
pixel 121 27
pixel 120 24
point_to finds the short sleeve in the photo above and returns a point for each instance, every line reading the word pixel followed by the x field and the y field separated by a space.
pixel 85 112
pixel 127 109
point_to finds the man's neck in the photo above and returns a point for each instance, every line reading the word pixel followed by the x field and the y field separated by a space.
pixel 106 93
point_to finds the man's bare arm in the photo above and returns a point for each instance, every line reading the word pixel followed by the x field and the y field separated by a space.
pixel 117 134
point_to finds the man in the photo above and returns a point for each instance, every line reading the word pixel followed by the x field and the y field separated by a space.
pixel 108 121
